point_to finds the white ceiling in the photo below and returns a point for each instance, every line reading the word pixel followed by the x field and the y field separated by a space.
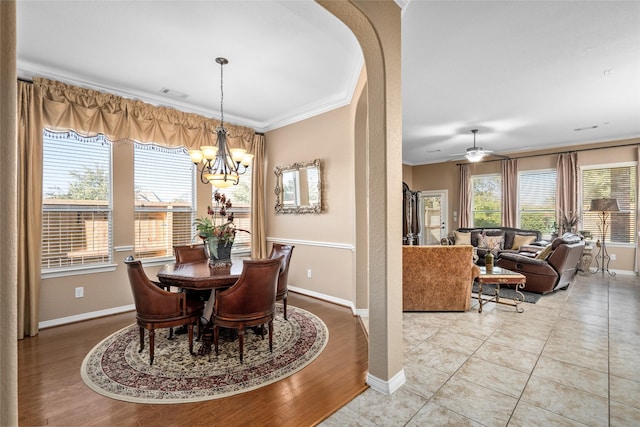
pixel 525 73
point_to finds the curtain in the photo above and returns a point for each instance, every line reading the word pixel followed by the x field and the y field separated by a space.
pixel 258 203
pixel 465 195
pixel 567 187
pixel 509 192
pixel 8 217
pixel 90 112
pixel 29 207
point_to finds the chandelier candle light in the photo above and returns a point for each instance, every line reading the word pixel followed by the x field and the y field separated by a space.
pixel 221 166
pixel 603 207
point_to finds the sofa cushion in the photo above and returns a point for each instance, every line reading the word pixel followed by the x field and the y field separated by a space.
pixel 494 243
pixel 544 254
pixel 462 238
pixel 521 239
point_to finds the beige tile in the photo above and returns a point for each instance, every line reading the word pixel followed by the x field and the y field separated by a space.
pixel 569 402
pixel 573 376
pixel 499 378
pixel 596 360
pixel 434 415
pixel 437 357
pixel 422 380
pixel 527 415
pixel 480 404
pixel 623 415
pixel 395 409
pixel 625 391
pixel 457 342
pixel 624 361
pixel 346 417
pixel 508 337
pixel 506 356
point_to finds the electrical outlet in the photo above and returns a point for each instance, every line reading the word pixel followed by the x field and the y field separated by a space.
pixel 80 292
pixel 613 257
pixel 309 273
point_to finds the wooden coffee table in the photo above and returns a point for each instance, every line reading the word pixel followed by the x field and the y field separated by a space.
pixel 501 276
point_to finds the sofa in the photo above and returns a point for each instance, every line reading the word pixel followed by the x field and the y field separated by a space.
pixel 496 239
pixel 437 278
pixel 554 267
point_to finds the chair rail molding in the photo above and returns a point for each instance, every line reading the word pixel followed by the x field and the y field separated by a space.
pixel 334 245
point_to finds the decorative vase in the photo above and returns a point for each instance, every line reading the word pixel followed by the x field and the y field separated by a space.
pixel 488 261
pixel 218 252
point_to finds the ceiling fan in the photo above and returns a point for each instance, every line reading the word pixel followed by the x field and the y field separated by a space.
pixel 475 154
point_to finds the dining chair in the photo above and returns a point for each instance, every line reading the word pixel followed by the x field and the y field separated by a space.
pixel 251 301
pixel 189 253
pixel 284 251
pixel 157 308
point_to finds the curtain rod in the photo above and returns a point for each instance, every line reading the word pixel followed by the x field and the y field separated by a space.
pixel 557 152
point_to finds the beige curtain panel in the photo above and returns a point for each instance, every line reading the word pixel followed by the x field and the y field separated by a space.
pixel 465 195
pixel 509 192
pixel 567 186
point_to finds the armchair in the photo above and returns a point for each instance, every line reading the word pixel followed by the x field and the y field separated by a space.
pixel 284 251
pixel 553 268
pixel 157 308
pixel 251 301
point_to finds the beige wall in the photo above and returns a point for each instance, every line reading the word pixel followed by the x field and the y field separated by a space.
pixel 324 242
pixel 441 176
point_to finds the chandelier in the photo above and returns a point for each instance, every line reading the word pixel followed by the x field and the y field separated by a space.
pixel 221 166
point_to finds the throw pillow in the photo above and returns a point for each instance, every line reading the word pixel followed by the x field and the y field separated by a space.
pixel 493 243
pixel 462 238
pixel 520 240
pixel 543 254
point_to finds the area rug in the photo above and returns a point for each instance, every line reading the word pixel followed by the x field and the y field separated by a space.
pixel 115 369
pixel 508 293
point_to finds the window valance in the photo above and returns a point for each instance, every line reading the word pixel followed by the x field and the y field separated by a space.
pixel 89 112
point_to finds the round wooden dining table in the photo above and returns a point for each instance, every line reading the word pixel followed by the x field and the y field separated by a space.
pixel 200 274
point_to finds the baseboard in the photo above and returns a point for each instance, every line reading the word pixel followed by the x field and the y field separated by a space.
pixel 324 297
pixel 85 316
pixel 386 387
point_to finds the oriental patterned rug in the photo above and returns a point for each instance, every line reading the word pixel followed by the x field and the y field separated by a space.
pixel 115 369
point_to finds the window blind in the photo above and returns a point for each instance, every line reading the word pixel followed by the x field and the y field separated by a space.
pixel 164 185
pixel 76 200
pixel 537 200
pixel 615 182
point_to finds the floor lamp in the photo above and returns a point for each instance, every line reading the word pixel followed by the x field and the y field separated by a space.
pixel 604 206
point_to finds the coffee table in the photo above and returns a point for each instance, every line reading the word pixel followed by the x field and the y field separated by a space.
pixel 501 276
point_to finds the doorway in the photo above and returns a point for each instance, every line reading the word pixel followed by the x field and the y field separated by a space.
pixel 433 216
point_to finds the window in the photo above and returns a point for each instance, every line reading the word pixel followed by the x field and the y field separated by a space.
pixel 241 200
pixel 614 182
pixel 486 200
pixel 164 186
pixel 76 200
pixel 537 200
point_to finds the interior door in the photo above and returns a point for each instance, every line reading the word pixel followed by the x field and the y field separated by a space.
pixel 433 216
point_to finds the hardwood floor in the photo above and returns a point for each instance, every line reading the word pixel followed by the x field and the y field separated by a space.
pixel 51 391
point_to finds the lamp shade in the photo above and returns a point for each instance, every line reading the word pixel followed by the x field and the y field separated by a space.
pixel 604 205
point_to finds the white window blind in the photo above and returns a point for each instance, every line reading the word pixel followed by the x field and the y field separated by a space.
pixel 611 182
pixel 76 200
pixel 537 200
pixel 164 184
pixel 486 200
pixel 240 196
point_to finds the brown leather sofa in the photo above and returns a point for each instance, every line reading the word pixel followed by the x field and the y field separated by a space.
pixel 554 271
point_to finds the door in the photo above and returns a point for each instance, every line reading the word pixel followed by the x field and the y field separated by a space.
pixel 433 216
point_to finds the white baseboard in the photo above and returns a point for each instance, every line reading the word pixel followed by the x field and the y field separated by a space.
pixel 386 387
pixel 85 316
pixel 324 297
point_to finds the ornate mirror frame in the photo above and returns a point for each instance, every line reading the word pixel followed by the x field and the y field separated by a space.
pixel 297 200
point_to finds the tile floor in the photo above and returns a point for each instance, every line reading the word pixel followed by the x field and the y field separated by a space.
pixel 572 359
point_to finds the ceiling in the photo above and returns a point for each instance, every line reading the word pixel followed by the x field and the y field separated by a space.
pixel 527 74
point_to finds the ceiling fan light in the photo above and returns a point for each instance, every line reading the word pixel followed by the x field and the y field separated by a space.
pixel 474 156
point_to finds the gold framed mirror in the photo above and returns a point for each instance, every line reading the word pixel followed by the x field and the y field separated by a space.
pixel 299 188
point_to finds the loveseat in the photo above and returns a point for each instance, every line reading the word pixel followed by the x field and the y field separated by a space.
pixel 496 239
pixel 552 268
pixel 437 278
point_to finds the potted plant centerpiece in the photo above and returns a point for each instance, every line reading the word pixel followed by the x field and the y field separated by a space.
pixel 218 238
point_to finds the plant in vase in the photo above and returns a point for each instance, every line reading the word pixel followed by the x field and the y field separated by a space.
pixel 217 229
pixel 570 222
